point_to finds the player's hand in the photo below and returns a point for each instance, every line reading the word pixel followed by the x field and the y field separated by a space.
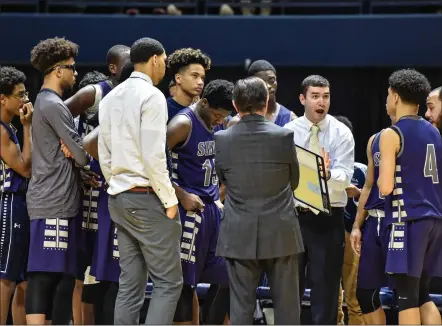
pixel 353 191
pixel 26 114
pixel 65 150
pixel 327 162
pixel 192 202
pixel 171 212
pixel 89 178
pixel 355 240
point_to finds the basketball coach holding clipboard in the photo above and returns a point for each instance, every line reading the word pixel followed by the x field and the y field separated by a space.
pixel 259 230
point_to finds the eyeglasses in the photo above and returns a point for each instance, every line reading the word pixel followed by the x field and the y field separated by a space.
pixel 72 67
pixel 21 96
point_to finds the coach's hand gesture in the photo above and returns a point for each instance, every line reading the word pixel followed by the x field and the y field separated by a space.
pixel 327 161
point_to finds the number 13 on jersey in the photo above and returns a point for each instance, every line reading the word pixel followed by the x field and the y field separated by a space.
pixel 210 173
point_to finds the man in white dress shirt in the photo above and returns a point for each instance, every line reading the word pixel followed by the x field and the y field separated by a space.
pixel 142 201
pixel 323 235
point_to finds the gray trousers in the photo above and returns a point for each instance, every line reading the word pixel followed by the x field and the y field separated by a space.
pixel 283 277
pixel 149 245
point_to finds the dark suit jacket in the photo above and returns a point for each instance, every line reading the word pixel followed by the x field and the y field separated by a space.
pixel 256 159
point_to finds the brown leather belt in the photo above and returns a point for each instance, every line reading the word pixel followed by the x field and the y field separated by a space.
pixel 141 190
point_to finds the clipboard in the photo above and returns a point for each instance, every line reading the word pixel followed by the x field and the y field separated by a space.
pixel 312 189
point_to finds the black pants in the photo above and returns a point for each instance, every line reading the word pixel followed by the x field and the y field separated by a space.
pixel 321 263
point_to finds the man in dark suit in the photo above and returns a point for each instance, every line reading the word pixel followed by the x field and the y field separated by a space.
pixel 259 231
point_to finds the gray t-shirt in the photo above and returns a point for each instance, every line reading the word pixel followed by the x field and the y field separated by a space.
pixel 54 189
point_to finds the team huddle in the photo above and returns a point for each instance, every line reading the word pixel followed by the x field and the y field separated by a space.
pixel 59 250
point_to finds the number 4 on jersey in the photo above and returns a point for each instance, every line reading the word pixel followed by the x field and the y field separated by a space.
pixel 430 168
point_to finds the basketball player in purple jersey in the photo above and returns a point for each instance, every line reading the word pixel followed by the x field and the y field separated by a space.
pixel 369 217
pixel 410 177
pixel 190 136
pixel 85 100
pixel 276 112
pixel 99 297
pixel 90 141
pixel 188 69
pixel 53 196
pixel 85 104
pixel 15 169
pixel 83 312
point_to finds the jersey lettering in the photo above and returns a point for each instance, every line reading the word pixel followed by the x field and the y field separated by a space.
pixel 206 148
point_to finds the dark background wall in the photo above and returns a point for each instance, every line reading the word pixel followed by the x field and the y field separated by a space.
pixel 355 53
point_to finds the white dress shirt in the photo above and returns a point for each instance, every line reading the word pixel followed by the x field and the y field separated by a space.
pixel 337 139
pixel 132 138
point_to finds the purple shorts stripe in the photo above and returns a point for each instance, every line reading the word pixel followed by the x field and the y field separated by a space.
pixel 198 247
pixel 106 259
pixel 53 246
pixel 414 248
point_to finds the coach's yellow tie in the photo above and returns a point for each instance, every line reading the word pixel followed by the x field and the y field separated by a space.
pixel 313 144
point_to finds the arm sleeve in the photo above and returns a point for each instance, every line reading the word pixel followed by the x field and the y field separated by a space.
pixel 60 119
pixel 343 165
pixel 153 148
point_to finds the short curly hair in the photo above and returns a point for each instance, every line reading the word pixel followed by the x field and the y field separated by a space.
pixel 412 86
pixel 9 78
pixel 49 52
pixel 182 58
pixel 219 94
pixel 92 78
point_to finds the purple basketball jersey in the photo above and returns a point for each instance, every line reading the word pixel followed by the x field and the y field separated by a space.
pixel 173 107
pixel 11 181
pixel 97 226
pixel 14 219
pixel 283 117
pixel 417 192
pixel 85 126
pixel 414 208
pixel 194 160
pixel 194 171
pixel 90 198
pixel 375 200
pixel 105 263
